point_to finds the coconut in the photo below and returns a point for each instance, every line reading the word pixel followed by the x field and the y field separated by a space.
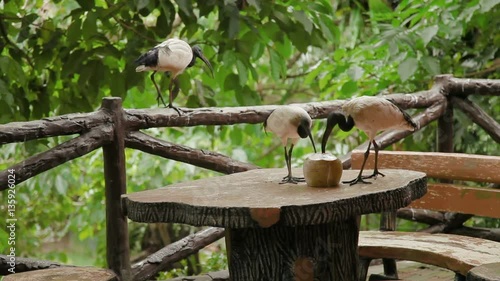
pixel 322 170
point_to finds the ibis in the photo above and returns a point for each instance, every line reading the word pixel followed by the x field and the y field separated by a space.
pixel 290 122
pixel 371 115
pixel 174 56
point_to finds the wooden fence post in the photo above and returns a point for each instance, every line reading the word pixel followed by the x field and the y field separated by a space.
pixel 117 240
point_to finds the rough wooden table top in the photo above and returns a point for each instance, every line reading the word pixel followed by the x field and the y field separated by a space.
pixel 254 198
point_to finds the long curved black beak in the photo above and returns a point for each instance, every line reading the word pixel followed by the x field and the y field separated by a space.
pixel 198 53
pixel 304 130
pixel 312 141
pixel 331 121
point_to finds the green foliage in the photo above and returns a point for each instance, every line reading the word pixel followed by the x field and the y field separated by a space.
pixel 65 56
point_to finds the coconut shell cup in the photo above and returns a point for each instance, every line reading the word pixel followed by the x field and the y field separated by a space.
pixel 322 170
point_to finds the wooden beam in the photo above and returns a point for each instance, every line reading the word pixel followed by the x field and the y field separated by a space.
pixel 458 166
pixel 202 158
pixel 58 155
pixel 478 116
pixel 162 259
pixel 462 199
pixel 464 87
pixel 117 240
pixel 164 117
pixel 445 130
pixel 68 124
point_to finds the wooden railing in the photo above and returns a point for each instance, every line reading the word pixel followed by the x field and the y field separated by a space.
pixel 114 128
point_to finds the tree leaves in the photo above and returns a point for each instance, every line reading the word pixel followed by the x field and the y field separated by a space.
pixel 428 33
pixel 431 65
pixel 278 68
pixel 407 68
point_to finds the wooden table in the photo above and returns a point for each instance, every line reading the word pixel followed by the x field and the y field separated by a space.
pixel 280 231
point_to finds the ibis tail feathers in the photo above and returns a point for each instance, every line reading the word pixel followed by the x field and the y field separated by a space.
pixel 147 61
pixel 141 68
pixel 406 116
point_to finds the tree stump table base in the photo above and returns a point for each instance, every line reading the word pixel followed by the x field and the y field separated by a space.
pixel 303 253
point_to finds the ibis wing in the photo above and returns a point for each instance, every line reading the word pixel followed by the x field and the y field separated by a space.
pixel 151 58
pixel 165 50
pixel 148 59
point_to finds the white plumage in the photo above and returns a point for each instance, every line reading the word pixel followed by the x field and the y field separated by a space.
pixel 284 121
pixel 375 114
pixel 290 122
pixel 371 115
pixel 173 55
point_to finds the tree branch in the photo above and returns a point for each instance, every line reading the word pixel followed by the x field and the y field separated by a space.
pixel 478 116
pixel 484 233
pixel 174 252
pixel 452 222
pixel 420 215
pixel 56 156
pixel 201 158
pixel 3 31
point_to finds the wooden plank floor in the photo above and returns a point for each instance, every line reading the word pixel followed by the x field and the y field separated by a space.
pixel 414 271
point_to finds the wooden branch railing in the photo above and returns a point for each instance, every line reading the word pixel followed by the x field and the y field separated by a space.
pixel 114 128
pixel 164 258
pixel 74 148
pixel 201 158
pixel 63 125
pixel 478 116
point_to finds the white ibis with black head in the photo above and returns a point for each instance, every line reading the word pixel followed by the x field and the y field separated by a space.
pixel 372 115
pixel 290 122
pixel 173 55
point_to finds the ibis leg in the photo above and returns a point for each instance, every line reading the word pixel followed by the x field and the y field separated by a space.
pixel 159 97
pixel 173 91
pixel 375 171
pixel 359 178
pixel 289 178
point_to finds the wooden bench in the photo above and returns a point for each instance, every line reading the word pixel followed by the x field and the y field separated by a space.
pixel 454 252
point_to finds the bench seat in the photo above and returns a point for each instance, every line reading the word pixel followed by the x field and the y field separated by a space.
pixel 454 252
pixel 485 272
